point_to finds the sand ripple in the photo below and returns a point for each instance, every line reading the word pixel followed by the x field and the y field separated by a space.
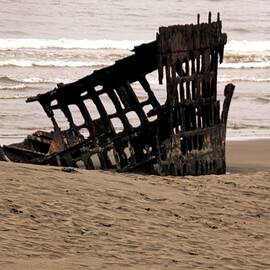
pixel 50 219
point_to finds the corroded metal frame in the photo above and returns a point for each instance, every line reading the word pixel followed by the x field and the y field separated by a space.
pixel 185 135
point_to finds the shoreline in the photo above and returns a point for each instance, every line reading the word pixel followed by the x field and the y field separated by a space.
pixel 247 155
pixel 251 155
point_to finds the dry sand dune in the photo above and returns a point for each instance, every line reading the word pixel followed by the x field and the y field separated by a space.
pixel 51 219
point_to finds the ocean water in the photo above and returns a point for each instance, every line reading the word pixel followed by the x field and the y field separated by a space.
pixel 43 43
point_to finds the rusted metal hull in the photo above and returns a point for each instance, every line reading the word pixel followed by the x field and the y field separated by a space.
pixel 184 136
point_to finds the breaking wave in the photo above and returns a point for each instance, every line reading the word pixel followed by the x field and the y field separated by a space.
pixel 15 97
pixel 246 55
pixel 30 80
pixel 100 64
pixel 10 83
pixel 64 43
pixel 52 63
pixel 44 53
pixel 98 53
pixel 13 44
pixel 13 87
pixel 247 46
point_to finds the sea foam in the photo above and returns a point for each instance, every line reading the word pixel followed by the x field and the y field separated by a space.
pixel 63 43
pixel 247 46
pixel 99 53
pixel 52 63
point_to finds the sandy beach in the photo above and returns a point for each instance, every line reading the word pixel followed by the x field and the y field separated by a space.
pixel 53 219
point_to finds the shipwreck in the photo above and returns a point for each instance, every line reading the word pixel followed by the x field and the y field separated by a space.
pixel 184 136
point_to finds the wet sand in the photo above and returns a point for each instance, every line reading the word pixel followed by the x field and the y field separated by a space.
pixel 248 155
pixel 51 219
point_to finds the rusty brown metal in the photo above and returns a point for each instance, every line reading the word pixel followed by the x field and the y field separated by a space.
pixel 185 135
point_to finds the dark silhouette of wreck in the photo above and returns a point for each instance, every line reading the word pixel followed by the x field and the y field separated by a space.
pixel 183 136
